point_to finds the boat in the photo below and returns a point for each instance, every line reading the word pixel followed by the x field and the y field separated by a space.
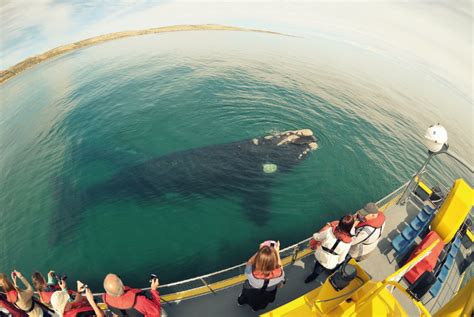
pixel 426 203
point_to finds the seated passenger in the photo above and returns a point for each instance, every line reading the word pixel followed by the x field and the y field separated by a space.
pixel 368 231
pixel 65 306
pixel 21 299
pixel 8 309
pixel 45 289
pixel 125 301
pixel 264 275
pixel 332 244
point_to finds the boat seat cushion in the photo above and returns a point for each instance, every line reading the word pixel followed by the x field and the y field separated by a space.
pixel 429 262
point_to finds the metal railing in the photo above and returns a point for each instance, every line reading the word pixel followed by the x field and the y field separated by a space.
pixel 204 283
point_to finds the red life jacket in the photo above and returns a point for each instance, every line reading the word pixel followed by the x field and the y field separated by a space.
pixel 14 311
pixel 124 305
pixel 46 295
pixel 12 296
pixel 75 311
pixel 374 223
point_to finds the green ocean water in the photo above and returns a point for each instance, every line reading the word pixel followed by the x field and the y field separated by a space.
pixel 82 117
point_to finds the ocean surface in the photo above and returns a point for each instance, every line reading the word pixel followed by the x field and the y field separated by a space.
pixel 75 121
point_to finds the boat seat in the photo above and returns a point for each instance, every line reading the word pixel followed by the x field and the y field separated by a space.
pixel 449 261
pixel 409 233
pixel 427 209
pixel 402 245
pixel 434 290
pixel 454 249
pixel 443 273
pixel 457 241
pixel 416 224
pixel 423 216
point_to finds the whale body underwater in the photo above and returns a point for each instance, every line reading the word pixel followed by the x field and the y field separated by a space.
pixel 243 168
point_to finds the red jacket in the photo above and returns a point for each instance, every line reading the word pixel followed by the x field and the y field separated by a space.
pixel 135 299
pixel 15 312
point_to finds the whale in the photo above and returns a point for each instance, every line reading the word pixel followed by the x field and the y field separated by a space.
pixel 244 169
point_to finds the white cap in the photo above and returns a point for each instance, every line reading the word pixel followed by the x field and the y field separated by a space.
pixel 435 137
pixel 59 301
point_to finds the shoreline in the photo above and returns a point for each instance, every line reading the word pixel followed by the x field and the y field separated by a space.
pixel 29 62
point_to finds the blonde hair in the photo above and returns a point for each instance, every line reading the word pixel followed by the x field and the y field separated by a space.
pixel 7 284
pixel 266 260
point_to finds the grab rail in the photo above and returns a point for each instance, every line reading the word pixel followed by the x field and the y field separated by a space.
pixel 291 251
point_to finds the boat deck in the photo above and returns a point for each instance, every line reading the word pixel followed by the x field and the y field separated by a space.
pixel 379 265
pixel 224 303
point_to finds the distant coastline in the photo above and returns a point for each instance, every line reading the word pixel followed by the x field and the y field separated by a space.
pixel 31 61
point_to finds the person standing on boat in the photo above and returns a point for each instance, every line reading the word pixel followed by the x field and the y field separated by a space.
pixel 368 231
pixel 265 274
pixel 331 245
pixel 125 301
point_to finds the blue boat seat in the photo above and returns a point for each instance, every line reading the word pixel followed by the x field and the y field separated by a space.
pixel 454 249
pixel 443 273
pixel 449 261
pixel 434 290
pixel 423 216
pixel 416 224
pixel 401 245
pixel 428 210
pixel 409 233
pixel 406 238
pixel 457 241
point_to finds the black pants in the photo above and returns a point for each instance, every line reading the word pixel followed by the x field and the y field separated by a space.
pixel 318 270
pixel 256 298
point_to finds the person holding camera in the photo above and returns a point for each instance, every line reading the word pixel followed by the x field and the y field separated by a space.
pixel 264 276
pixel 45 288
pixel 125 301
pixel 65 306
pixel 331 245
pixel 21 299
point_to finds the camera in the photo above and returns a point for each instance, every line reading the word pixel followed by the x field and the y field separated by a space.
pixel 153 277
pixel 83 287
pixel 60 277
pixel 269 243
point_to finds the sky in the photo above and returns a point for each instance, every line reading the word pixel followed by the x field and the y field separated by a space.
pixel 436 34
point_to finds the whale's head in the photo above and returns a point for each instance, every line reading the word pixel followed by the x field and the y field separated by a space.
pixel 285 149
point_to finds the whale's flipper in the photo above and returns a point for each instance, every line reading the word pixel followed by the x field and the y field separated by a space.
pixel 256 205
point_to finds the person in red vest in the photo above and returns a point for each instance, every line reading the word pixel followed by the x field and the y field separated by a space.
pixel 331 245
pixel 125 301
pixel 65 306
pixel 46 289
pixel 8 309
pixel 22 299
pixel 368 231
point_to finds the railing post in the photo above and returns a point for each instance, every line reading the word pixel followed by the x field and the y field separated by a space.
pixel 207 285
pixel 294 254
pixel 414 179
